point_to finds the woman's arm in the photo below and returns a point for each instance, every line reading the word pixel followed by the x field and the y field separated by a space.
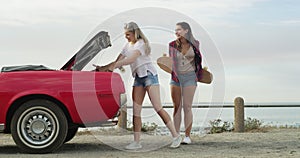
pixel 128 60
pixel 120 57
pixel 110 66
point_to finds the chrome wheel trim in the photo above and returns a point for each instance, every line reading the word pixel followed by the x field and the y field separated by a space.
pixel 38 127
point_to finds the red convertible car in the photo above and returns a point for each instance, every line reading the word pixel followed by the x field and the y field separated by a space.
pixel 42 108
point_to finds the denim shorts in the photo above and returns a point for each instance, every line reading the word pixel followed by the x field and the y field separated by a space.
pixel 149 80
pixel 187 79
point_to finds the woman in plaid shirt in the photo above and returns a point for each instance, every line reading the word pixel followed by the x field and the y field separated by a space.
pixel 186 71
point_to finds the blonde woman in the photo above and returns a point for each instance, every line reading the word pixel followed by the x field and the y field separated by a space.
pixel 186 71
pixel 136 53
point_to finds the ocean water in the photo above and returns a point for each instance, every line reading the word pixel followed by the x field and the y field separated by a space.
pixel 275 116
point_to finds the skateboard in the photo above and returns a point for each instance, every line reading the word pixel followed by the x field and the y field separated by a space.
pixel 165 63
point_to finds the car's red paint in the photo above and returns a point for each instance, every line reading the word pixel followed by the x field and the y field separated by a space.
pixel 42 108
pixel 88 96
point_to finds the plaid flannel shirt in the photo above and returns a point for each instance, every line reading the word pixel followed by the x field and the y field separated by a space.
pixel 198 60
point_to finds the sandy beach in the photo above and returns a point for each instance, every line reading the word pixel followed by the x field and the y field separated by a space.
pixel 273 143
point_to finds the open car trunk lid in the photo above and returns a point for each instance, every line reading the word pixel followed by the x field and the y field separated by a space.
pixel 88 52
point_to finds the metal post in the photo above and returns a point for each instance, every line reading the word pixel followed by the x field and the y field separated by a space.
pixel 239 115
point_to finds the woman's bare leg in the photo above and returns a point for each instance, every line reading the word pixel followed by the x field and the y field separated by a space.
pixel 138 94
pixel 154 95
pixel 176 98
pixel 188 96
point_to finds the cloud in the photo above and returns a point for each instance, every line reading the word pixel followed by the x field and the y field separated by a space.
pixel 18 12
pixel 289 22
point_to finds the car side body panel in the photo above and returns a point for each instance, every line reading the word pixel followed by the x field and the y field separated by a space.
pixel 89 97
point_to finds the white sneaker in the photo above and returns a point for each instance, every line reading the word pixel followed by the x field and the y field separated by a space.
pixel 133 146
pixel 176 142
pixel 186 140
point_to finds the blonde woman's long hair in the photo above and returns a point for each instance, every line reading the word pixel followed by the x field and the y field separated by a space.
pixel 134 28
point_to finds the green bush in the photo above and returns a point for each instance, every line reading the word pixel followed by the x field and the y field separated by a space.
pixel 217 126
pixel 146 127
pixel 252 124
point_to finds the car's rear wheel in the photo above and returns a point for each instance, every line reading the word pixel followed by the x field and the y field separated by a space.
pixel 71 133
pixel 39 126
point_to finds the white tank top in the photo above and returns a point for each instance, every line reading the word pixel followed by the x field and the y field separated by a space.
pixel 143 63
pixel 186 63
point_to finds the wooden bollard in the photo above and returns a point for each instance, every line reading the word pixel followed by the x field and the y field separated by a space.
pixel 239 114
pixel 122 119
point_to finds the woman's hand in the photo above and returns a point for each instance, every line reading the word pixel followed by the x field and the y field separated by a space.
pixel 111 66
pixel 106 68
pixel 97 67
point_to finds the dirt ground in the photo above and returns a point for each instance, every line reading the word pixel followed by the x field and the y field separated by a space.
pixel 274 143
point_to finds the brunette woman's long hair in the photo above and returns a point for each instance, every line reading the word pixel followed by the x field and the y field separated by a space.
pixel 189 36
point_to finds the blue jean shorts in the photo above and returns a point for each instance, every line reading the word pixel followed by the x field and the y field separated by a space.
pixel 187 79
pixel 149 80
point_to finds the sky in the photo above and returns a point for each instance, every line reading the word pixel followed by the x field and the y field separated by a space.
pixel 257 40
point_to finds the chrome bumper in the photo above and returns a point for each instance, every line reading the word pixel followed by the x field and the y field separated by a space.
pixel 2 127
